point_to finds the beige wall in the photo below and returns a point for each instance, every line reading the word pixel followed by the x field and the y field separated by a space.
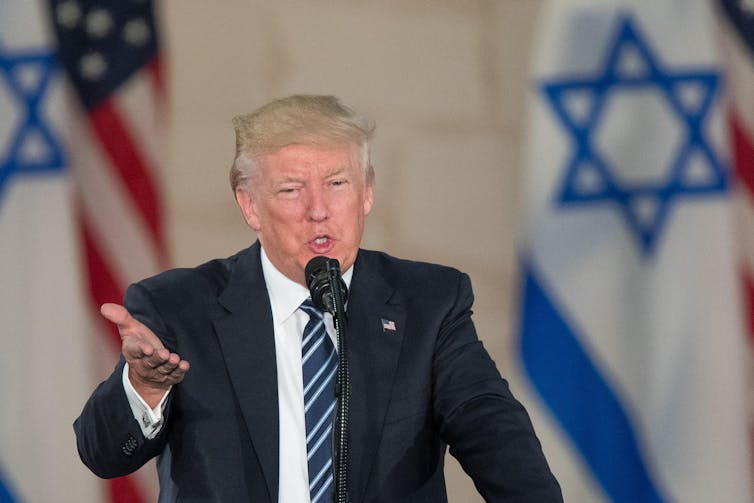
pixel 443 79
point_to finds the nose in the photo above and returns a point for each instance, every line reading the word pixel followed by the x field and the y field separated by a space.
pixel 317 209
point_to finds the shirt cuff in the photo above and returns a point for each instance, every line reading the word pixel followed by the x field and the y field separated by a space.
pixel 150 420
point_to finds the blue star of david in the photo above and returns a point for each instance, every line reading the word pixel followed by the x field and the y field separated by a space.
pixel 588 162
pixel 30 146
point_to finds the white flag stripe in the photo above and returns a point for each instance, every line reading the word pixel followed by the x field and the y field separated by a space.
pixel 41 306
pixel 744 208
pixel 145 119
pixel 117 223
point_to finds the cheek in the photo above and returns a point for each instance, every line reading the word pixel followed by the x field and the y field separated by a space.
pixel 286 221
pixel 284 211
pixel 356 221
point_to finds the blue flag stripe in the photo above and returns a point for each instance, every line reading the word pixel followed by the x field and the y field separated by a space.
pixel 580 399
pixel 5 494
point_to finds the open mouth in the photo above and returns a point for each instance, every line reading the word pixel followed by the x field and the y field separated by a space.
pixel 321 244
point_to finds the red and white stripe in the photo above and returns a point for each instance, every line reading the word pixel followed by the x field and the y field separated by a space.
pixel 738 63
pixel 115 157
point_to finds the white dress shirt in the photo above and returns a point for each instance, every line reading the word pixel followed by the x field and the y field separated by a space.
pixel 289 321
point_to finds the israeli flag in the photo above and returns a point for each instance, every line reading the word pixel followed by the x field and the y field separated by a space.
pixel 631 333
pixel 45 349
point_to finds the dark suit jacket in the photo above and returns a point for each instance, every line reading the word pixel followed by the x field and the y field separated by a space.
pixel 428 384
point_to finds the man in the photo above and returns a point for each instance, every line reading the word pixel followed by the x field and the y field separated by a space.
pixel 234 424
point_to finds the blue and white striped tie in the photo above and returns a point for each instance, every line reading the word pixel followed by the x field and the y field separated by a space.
pixel 320 363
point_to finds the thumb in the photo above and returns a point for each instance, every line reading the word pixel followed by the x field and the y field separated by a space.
pixel 130 328
pixel 116 314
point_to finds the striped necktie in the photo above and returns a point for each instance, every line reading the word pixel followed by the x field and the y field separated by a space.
pixel 320 363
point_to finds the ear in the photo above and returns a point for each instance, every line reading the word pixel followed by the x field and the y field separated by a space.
pixel 368 198
pixel 245 201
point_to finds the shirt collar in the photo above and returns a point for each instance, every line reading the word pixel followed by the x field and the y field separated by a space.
pixel 285 294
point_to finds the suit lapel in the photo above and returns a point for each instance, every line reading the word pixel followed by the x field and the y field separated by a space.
pixel 246 336
pixel 376 320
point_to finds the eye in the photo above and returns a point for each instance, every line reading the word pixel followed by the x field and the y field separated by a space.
pixel 338 182
pixel 288 191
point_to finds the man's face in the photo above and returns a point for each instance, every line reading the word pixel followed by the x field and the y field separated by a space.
pixel 305 201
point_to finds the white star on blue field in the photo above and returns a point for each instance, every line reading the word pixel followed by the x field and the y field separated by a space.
pixel 29 147
pixel 643 194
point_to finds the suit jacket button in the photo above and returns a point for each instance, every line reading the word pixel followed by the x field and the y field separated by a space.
pixel 130 446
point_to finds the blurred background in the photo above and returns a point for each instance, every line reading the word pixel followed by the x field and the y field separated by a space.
pixel 582 161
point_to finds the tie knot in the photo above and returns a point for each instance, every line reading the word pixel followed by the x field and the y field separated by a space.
pixel 308 307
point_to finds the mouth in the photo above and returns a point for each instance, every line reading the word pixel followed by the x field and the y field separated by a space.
pixel 321 244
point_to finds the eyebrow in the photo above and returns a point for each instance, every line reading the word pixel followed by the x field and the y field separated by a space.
pixel 335 172
pixel 292 178
pixel 295 179
pixel 286 179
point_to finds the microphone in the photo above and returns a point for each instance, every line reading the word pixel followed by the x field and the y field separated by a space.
pixel 329 293
pixel 321 274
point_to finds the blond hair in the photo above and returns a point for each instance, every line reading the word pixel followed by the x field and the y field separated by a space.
pixel 299 119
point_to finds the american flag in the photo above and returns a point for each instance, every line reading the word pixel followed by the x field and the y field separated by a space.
pixel 737 44
pixel 388 325
pixel 110 53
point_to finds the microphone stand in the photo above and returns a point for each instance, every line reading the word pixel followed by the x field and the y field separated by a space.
pixel 342 389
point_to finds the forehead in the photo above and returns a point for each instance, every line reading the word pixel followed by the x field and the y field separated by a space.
pixel 308 159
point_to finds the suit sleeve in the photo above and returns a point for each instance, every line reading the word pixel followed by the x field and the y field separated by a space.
pixel 486 428
pixel 108 437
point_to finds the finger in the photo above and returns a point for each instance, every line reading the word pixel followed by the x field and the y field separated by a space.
pixel 170 365
pixel 178 373
pixel 131 328
pixel 174 367
pixel 155 358
pixel 134 348
pixel 116 314
pixel 160 377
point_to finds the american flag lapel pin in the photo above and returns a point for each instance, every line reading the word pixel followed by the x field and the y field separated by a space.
pixel 387 325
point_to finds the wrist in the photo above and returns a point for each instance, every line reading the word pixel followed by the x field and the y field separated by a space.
pixel 149 392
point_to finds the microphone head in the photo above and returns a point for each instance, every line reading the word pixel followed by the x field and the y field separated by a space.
pixel 321 274
pixel 314 268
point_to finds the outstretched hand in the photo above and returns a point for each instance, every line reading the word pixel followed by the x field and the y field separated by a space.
pixel 152 368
